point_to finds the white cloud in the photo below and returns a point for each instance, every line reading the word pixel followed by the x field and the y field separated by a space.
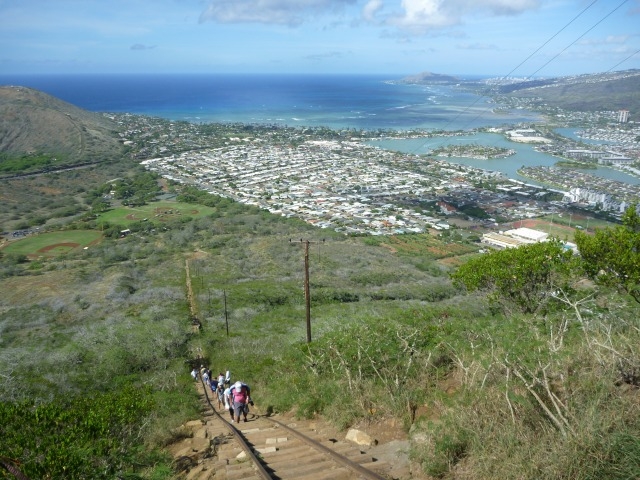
pixel 609 40
pixel 476 46
pixel 370 9
pixel 424 15
pixel 323 56
pixel 281 12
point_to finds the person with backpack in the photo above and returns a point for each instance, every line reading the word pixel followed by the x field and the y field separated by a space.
pixel 213 384
pixel 240 394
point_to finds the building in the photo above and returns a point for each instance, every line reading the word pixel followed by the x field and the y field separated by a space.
pixel 514 238
pixel 615 159
pixel 603 157
pixel 623 116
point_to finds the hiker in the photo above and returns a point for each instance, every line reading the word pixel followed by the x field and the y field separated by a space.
pixel 221 378
pixel 227 379
pixel 213 385
pixel 220 393
pixel 205 376
pixel 240 393
pixel 228 402
pixel 194 374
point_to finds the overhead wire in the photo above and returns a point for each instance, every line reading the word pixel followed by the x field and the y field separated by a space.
pixel 419 147
pixel 576 40
pixel 480 97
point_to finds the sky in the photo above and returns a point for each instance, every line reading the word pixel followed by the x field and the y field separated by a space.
pixel 520 38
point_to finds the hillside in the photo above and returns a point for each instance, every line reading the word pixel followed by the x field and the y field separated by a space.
pixel 608 91
pixel 525 354
pixel 429 78
pixel 593 92
pixel 37 127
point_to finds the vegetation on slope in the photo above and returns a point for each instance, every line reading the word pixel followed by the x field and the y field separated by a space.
pixel 40 132
pixel 599 92
pixel 528 355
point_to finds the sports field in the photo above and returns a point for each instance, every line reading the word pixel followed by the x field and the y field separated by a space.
pixel 563 227
pixel 54 243
pixel 153 212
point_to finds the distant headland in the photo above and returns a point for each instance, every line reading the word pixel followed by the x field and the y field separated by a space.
pixel 429 78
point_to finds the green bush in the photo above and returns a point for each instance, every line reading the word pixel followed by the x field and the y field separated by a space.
pixel 93 436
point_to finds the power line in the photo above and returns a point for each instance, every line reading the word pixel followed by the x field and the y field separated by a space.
pixel 622 61
pixel 573 43
pixel 546 63
pixel 551 38
pixel 516 67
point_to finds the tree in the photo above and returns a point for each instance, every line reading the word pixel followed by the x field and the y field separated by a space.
pixel 524 277
pixel 612 255
pixel 100 205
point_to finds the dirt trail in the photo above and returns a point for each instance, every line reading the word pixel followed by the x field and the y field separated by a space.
pixel 193 308
pixel 198 456
pixel 208 452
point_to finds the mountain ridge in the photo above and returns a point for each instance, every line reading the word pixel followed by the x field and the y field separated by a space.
pixel 603 91
pixel 35 123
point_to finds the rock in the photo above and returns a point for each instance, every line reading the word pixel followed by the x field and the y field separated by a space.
pixel 200 433
pixel 193 424
pixel 358 437
pixel 199 444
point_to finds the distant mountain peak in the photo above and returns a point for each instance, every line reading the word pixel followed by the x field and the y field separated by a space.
pixel 427 78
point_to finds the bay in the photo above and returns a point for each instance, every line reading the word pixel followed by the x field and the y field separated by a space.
pixel 525 156
pixel 368 102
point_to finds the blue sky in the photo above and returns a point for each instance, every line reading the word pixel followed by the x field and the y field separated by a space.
pixel 487 37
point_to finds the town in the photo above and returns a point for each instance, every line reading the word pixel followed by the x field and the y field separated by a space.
pixel 336 179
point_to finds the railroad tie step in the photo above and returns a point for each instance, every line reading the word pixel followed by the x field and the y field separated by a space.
pixel 307 470
pixel 271 441
pixel 339 473
pixel 278 462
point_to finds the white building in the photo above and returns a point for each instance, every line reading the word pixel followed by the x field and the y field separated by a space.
pixel 514 238
pixel 623 116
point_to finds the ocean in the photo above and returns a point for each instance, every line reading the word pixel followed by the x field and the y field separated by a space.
pixel 368 102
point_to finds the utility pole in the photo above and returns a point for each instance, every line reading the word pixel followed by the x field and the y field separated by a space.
pixel 307 294
pixel 226 316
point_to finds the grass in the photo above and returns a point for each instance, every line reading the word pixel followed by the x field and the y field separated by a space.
pixel 563 227
pixel 53 243
pixel 391 337
pixel 157 212
pixel 429 246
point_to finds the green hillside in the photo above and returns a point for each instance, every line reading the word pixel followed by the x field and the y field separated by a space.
pixel 521 363
pixel 553 388
pixel 597 92
pixel 40 132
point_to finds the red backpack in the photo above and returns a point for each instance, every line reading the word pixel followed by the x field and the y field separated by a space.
pixel 240 396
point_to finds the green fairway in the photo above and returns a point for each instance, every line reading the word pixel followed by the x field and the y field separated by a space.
pixel 153 212
pixel 53 243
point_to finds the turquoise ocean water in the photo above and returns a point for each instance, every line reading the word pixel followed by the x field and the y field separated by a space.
pixel 336 101
pixel 368 102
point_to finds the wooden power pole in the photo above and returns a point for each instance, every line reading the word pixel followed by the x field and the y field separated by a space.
pixel 307 294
